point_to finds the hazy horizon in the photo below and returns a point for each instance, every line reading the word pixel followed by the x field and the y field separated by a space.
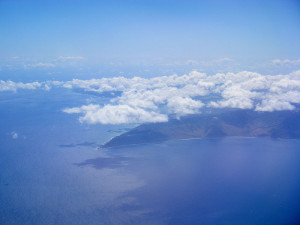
pixel 148 38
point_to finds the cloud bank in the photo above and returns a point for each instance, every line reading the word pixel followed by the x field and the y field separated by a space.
pixel 13 86
pixel 156 99
pixel 153 100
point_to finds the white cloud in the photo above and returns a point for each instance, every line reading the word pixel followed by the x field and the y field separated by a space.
pixel 12 86
pixel 225 59
pixel 14 135
pixel 286 62
pixel 116 114
pixel 40 65
pixel 70 58
pixel 183 106
pixel 47 87
pixel 154 99
pixel 191 62
pixel 271 105
pixel 241 103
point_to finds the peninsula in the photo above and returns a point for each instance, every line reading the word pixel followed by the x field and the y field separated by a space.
pixel 240 123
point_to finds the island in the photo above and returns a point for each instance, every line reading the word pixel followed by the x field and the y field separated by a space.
pixel 218 124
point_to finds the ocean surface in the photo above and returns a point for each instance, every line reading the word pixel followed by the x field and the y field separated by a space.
pixel 51 172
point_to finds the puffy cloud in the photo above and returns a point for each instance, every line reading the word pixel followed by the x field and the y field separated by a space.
pixel 154 99
pixel 284 85
pixel 182 106
pixel 12 86
pixel 116 114
pixel 271 105
pixel 47 87
pixel 241 103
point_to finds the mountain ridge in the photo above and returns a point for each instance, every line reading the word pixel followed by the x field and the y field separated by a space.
pixel 238 123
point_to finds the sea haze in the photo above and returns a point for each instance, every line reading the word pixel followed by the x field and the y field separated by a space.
pixel 52 171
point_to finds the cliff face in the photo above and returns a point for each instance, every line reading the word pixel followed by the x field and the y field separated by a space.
pixel 242 123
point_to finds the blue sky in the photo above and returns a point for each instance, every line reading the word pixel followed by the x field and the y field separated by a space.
pixel 169 33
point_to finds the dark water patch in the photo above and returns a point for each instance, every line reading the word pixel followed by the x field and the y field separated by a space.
pixel 105 162
pixel 93 144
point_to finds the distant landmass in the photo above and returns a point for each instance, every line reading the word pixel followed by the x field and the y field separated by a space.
pixel 240 123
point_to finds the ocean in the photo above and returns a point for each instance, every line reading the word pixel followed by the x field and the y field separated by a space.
pixel 51 172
